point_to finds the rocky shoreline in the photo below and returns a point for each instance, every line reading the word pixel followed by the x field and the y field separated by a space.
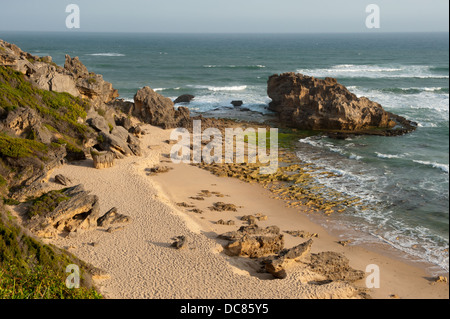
pixel 52 117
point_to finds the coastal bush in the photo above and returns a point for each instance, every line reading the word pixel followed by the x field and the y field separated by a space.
pixel 3 185
pixel 59 110
pixel 74 152
pixel 32 270
pixel 46 203
pixel 3 181
pixel 10 201
pixel 19 147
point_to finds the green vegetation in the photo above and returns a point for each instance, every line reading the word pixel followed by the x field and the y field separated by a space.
pixel 73 151
pixel 3 185
pixel 287 138
pixel 100 138
pixel 47 203
pixel 29 268
pixel 32 270
pixel 60 110
pixel 19 147
pixel 41 59
pixel 92 80
pixel 10 201
pixel 3 181
pixel 101 112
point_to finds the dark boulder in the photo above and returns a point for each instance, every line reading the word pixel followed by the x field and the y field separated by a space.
pixel 185 98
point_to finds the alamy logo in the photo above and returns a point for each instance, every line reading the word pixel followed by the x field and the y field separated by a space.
pixel 213 151
pixel 373 279
pixel 373 19
pixel 73 280
pixel 73 19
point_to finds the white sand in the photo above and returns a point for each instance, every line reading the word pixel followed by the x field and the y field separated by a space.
pixel 142 264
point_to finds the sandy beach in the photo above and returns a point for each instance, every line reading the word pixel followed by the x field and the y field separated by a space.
pixel 141 263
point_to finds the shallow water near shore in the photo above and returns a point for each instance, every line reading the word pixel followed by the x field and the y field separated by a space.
pixel 404 180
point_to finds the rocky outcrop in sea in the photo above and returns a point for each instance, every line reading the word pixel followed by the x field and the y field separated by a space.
pixel 309 103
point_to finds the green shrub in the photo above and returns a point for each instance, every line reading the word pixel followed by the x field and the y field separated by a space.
pixel 46 203
pixel 62 110
pixel 32 270
pixel 19 147
pixel 3 181
pixel 10 201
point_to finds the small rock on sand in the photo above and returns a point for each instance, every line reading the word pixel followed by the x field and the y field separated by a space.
pixel 228 223
pixel 157 170
pixel 179 242
pixel 301 234
pixel 344 242
pixel 221 207
pixel 440 279
pixel 61 179
pixel 186 205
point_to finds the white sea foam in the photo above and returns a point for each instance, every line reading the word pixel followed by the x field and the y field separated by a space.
pixel 432 89
pixel 427 100
pixel 374 71
pixel 106 54
pixel 377 222
pixel 356 157
pixel 313 141
pixel 220 88
pixel 423 124
pixel 257 66
pixel 442 167
pixel 227 88
pixel 165 89
pixel 380 155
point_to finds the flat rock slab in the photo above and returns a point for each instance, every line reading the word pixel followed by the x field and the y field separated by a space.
pixel 112 217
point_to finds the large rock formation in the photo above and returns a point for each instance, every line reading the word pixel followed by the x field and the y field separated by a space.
pixel 277 264
pixel 89 85
pixel 73 78
pixel 41 127
pixel 309 103
pixel 155 109
pixel 66 211
pixel 254 242
pixel 334 267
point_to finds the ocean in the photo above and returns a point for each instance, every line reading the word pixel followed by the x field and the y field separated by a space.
pixel 404 180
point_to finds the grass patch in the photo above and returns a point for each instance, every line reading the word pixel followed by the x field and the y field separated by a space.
pixel 19 147
pixel 101 112
pixel 60 110
pixel 46 203
pixel 32 270
pixel 73 151
pixel 10 201
pixel 3 181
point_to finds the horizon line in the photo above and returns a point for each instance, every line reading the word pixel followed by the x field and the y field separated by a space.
pixel 212 33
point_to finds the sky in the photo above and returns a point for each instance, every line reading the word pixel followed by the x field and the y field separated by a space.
pixel 225 16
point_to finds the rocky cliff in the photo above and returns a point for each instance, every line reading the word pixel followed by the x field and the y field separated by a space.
pixel 309 103
pixel 73 78
pixel 51 114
